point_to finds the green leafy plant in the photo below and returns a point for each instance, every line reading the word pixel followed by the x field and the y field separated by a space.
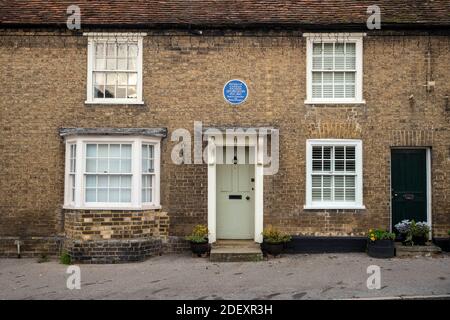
pixel 43 258
pixel 274 236
pixel 379 234
pixel 65 258
pixel 448 232
pixel 199 234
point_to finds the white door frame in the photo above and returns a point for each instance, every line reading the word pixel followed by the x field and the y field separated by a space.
pixel 429 186
pixel 213 144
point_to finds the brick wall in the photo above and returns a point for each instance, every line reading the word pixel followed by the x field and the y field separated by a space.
pixel 90 225
pixel 44 88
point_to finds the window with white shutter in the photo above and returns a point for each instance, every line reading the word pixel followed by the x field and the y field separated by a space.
pixel 334 68
pixel 334 174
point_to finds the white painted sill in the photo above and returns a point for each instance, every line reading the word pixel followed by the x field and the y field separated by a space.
pixel 144 207
pixel 333 207
pixel 118 102
pixel 335 102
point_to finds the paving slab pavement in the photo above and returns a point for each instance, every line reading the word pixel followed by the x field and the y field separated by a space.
pixel 315 276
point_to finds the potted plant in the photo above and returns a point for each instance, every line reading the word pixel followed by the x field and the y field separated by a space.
pixel 199 240
pixel 274 240
pixel 413 233
pixel 420 232
pixel 403 228
pixel 380 244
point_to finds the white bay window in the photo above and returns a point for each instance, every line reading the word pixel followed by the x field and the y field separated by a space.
pixel 334 174
pixel 112 172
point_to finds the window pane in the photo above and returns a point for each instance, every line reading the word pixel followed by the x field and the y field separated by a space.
pixel 125 182
pixel 100 64
pixel 91 195
pixel 132 92
pixel 91 165
pixel 317 48
pixel 111 49
pixel 350 194
pixel 102 181
pixel 121 64
pixel 126 151
pixel 317 63
pixel 99 49
pixel 91 181
pixel 316 181
pixel 102 150
pixel 125 195
pixel 114 165
pixel 99 91
pixel 122 50
pixel 350 49
pixel 102 165
pixel 131 64
pixel 317 77
pixel 339 49
pixel 349 91
pixel 132 79
pixel 110 91
pixel 121 92
pixel 111 64
pixel 114 181
pixel 125 166
pixel 91 150
pixel 317 91
pixel 114 150
pixel 132 50
pixel 350 181
pixel 102 195
pixel 114 195
pixel 316 194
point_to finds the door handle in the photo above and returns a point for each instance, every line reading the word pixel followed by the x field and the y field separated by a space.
pixel 247 197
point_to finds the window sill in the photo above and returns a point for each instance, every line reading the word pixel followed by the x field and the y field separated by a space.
pixel 334 207
pixel 121 102
pixel 362 102
pixel 143 207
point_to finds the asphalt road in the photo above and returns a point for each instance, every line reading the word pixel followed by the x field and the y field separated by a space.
pixel 318 276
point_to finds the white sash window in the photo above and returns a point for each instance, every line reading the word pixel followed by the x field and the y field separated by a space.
pixel 334 68
pixel 115 68
pixel 334 174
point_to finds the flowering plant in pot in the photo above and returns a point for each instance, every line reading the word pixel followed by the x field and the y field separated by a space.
pixel 199 239
pixel 380 244
pixel 413 233
pixel 420 232
pixel 274 240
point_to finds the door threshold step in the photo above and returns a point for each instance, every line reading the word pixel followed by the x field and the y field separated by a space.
pixel 235 251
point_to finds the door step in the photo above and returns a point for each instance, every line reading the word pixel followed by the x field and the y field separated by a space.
pixel 413 251
pixel 235 251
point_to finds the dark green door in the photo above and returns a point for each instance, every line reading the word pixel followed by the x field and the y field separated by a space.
pixel 409 185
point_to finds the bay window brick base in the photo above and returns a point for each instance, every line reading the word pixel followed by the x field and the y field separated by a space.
pixel 103 236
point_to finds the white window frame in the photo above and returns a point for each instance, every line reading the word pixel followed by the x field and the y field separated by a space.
pixel 356 38
pixel 358 203
pixel 120 37
pixel 136 169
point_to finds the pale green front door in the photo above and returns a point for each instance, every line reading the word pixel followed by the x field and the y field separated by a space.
pixel 235 201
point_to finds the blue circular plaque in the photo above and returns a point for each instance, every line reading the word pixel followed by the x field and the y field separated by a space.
pixel 235 91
